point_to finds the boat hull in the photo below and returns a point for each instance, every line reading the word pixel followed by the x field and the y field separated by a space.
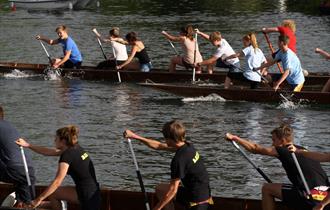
pixel 155 75
pixel 41 4
pixel 242 94
pixel 125 200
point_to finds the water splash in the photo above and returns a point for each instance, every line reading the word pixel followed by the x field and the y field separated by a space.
pixel 291 104
pixel 52 74
pixel 15 74
pixel 211 97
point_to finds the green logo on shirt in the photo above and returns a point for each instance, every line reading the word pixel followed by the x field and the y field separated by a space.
pixel 84 156
pixel 196 158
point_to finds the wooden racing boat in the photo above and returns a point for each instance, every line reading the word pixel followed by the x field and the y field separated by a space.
pixel 128 200
pixel 155 75
pixel 243 94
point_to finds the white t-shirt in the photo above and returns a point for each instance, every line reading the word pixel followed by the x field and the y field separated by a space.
pixel 254 58
pixel 120 51
pixel 224 51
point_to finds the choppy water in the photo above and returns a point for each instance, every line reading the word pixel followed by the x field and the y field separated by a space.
pixel 103 110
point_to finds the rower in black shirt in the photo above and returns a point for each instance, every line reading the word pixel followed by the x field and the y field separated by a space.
pixel 75 161
pixel 187 167
pixel 294 194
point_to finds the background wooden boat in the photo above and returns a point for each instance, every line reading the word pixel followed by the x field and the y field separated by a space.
pixel 241 94
pixel 128 200
pixel 42 4
pixel 155 75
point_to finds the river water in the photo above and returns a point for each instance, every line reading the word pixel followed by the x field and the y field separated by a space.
pixel 103 110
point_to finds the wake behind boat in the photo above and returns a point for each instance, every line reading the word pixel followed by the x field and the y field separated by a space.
pixel 243 94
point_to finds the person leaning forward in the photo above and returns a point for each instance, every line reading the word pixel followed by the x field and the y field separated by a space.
pixel 293 73
pixel 11 163
pixel 320 157
pixel 187 167
pixel 293 195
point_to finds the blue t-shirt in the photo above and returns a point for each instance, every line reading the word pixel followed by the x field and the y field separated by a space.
pixel 10 153
pixel 254 58
pixel 69 45
pixel 291 62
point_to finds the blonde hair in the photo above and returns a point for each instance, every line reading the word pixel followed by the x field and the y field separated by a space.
pixel 289 24
pixel 284 132
pixel 251 37
pixel 215 36
pixel 69 134
pixel 61 28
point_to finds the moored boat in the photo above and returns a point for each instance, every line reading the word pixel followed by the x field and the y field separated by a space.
pixel 42 4
pixel 128 200
pixel 243 94
pixel 155 75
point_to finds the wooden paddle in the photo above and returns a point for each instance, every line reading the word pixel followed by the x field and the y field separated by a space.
pixel 56 71
pixel 272 51
pixel 105 57
pixel 139 175
pixel 49 58
pixel 228 136
pixel 176 52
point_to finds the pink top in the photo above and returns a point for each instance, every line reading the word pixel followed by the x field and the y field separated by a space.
pixel 188 47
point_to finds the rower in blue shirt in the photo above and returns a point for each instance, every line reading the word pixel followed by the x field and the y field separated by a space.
pixel 293 73
pixel 72 56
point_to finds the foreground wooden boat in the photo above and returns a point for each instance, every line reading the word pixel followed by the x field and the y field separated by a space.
pixel 242 94
pixel 156 75
pixel 128 200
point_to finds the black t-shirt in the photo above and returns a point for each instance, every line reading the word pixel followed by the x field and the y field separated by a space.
pixel 312 170
pixel 81 170
pixel 188 166
pixel 10 153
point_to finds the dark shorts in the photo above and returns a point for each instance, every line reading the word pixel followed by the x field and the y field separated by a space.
pixel 108 64
pixel 295 198
pixel 69 64
pixel 90 199
pixel 16 176
pixel 240 77
pixel 187 65
pixel 232 67
pixel 183 199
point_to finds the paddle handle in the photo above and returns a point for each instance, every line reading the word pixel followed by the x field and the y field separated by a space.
pixel 294 157
pixel 43 46
pixel 176 52
pixel 139 176
pixel 27 172
pixel 272 51
pixel 252 163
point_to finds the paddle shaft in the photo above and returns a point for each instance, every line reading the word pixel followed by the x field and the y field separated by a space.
pixel 294 157
pixel 27 173
pixel 43 46
pixel 176 52
pixel 139 175
pixel 100 44
pixel 272 51
pixel 252 163
pixel 266 80
pixel 195 52
pixel 115 56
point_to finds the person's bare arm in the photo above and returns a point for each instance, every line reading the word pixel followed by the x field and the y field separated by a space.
pixel 39 149
pixel 153 144
pixel 269 30
pixel 252 146
pixel 325 54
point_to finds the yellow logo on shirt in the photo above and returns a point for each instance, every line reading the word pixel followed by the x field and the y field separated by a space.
pixel 196 158
pixel 84 156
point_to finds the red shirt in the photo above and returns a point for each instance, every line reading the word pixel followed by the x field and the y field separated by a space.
pixel 288 32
